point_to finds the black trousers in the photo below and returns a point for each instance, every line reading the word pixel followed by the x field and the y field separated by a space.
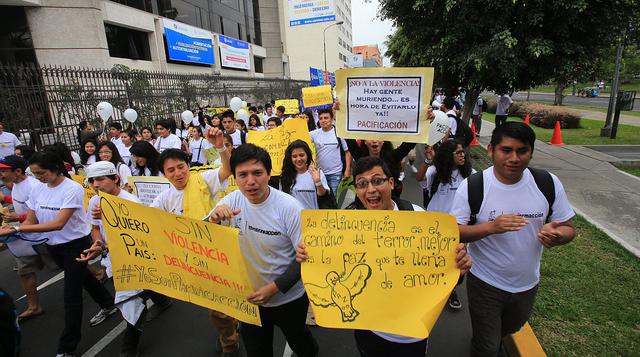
pixel 9 329
pixel 495 313
pixel 500 119
pixel 76 277
pixel 290 318
pixel 371 345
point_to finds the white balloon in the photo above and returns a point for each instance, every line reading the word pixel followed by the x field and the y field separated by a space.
pixel 235 104
pixel 243 114
pixel 104 110
pixel 439 127
pixel 187 117
pixel 131 115
pixel 244 103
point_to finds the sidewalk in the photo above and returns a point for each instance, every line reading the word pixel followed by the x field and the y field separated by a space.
pixel 604 195
pixel 624 118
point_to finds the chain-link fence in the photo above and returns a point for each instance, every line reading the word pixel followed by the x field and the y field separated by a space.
pixel 43 105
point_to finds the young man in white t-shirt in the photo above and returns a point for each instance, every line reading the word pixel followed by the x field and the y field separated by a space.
pixel 8 142
pixel 374 185
pixel 12 169
pixel 269 224
pixel 103 177
pixel 174 165
pixel 508 237
pixel 328 151
pixel 165 139
pixel 229 125
pixel 502 108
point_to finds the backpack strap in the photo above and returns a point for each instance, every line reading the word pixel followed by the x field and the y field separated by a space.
pixel 403 205
pixel 243 137
pixel 475 193
pixel 545 184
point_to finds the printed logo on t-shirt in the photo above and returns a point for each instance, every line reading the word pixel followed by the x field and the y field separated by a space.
pixel 50 208
pixel 264 231
pixel 492 215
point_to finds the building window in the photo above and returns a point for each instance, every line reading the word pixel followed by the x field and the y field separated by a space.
pixel 15 38
pixel 144 5
pixel 230 28
pixel 127 43
pixel 257 64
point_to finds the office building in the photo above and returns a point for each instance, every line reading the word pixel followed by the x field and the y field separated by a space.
pixel 370 55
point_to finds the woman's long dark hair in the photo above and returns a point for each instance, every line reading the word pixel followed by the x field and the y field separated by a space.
pixel 153 136
pixel 49 160
pixel 258 121
pixel 115 154
pixel 84 156
pixel 311 123
pixel 289 172
pixel 146 150
pixel 62 151
pixel 443 161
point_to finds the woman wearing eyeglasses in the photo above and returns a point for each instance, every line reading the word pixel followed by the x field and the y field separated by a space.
pixel 440 182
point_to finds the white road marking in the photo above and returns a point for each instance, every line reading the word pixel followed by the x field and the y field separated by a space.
pixel 53 280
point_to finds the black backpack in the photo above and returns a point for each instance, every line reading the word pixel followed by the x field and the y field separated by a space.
pixel 463 131
pixel 475 191
pixel 485 106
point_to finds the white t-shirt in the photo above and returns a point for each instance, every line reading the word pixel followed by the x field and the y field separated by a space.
pixel 452 121
pixel 8 143
pixel 503 104
pixel 106 260
pixel 20 194
pixel 124 172
pixel 269 233
pixel 391 336
pixel 304 190
pixel 328 151
pixel 443 198
pixel 47 203
pixel 170 142
pixel 510 261
pixel 236 137
pixel 197 148
pixel 477 108
pixel 90 160
pixel 125 154
pixel 171 199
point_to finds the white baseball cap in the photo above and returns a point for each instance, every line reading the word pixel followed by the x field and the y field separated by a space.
pixel 101 168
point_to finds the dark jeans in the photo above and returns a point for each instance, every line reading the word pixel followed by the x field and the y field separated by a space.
pixel 477 123
pixel 132 332
pixel 500 119
pixel 495 313
pixel 371 345
pixel 290 318
pixel 9 330
pixel 76 277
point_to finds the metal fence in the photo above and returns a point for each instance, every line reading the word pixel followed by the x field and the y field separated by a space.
pixel 45 104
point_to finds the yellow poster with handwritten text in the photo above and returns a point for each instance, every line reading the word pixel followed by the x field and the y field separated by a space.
pixel 190 260
pixel 88 190
pixel 275 141
pixel 389 271
pixel 291 106
pixel 384 103
pixel 317 97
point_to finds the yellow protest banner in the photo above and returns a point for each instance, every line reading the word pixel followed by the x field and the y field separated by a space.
pixel 291 106
pixel 190 260
pixel 88 190
pixel 317 97
pixel 389 271
pixel 217 110
pixel 275 141
pixel 384 103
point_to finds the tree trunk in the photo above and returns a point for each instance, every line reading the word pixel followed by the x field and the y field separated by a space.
pixel 560 86
pixel 470 100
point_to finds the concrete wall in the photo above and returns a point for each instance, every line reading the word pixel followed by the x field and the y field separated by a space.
pixel 271 38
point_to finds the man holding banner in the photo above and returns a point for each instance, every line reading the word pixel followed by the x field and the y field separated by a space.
pixel 374 186
pixel 192 195
pixel 269 224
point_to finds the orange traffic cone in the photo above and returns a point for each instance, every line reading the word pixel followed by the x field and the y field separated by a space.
pixel 556 138
pixel 474 142
pixel 526 119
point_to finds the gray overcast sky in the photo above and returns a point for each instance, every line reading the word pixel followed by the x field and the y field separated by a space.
pixel 367 28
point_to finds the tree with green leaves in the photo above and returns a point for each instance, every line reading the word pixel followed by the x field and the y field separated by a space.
pixel 502 45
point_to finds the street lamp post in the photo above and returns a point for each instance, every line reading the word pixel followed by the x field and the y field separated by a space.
pixel 324 42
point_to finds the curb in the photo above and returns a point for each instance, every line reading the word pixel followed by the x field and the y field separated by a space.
pixel 523 343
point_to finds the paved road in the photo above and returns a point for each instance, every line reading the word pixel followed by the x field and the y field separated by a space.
pixel 183 330
pixel 602 102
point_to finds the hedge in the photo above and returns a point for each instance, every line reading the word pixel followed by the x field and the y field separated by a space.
pixel 541 115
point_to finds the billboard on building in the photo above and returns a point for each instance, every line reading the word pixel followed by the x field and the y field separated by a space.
pixel 234 53
pixel 356 61
pixel 305 12
pixel 187 43
pixel 319 77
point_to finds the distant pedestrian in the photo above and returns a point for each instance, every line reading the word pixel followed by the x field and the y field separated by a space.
pixel 502 109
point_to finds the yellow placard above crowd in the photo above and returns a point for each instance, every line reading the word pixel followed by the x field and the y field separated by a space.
pixel 384 103
pixel 183 258
pixel 275 141
pixel 291 106
pixel 317 97
pixel 88 190
pixel 389 271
